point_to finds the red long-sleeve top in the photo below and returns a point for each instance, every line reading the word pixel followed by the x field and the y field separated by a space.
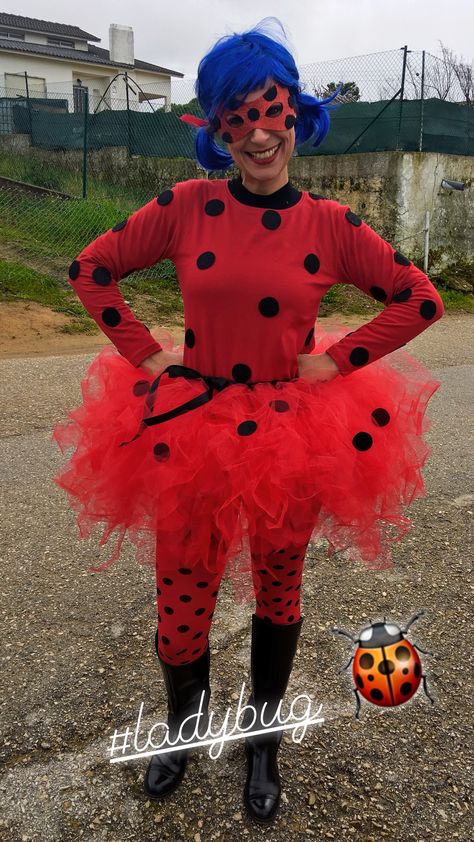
pixel 252 279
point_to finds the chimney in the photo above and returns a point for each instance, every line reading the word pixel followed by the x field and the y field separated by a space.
pixel 121 44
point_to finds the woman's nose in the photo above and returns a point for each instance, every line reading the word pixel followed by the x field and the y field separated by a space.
pixel 259 136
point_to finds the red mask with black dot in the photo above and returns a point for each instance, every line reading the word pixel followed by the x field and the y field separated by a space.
pixel 275 111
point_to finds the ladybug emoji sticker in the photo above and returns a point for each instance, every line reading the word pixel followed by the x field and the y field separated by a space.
pixel 387 669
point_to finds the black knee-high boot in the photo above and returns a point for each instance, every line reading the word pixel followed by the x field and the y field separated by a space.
pixel 184 684
pixel 272 654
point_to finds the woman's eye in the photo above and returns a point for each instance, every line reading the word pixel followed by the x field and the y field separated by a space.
pixel 274 110
pixel 234 120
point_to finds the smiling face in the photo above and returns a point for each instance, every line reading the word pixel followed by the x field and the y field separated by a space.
pixel 262 154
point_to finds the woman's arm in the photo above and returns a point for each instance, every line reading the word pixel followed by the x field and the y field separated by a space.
pixel 370 263
pixel 147 236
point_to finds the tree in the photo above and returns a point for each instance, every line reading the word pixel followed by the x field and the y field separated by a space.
pixel 349 91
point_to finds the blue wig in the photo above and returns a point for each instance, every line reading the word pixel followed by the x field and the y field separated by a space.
pixel 238 64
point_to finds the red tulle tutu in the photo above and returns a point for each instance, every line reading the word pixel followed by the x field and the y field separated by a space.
pixel 338 460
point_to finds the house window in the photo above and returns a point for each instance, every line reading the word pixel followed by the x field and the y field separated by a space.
pixel 15 85
pixel 15 36
pixel 61 42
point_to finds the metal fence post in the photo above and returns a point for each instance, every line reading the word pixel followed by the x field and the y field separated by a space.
pixel 84 155
pixel 426 250
pixel 422 101
pixel 128 117
pixel 30 122
pixel 402 91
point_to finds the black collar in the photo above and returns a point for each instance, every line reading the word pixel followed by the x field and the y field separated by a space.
pixel 285 197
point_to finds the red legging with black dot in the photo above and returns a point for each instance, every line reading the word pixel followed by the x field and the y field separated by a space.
pixel 186 597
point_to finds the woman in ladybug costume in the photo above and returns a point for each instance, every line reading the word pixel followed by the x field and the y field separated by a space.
pixel 234 450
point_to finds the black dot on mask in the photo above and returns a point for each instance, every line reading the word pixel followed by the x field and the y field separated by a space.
pixel 359 356
pixel 362 441
pixel 227 137
pixel 270 94
pixel 168 610
pixel 189 338
pixel 205 260
pixel 165 197
pixel 311 263
pixel 140 388
pixel 353 219
pixel 268 307
pixel 183 628
pixel 202 584
pixel 119 226
pixel 185 571
pixel 271 220
pixel 111 317
pixel 74 270
pixel 290 121
pixel 291 101
pixel 164 640
pixel 199 611
pixel 214 207
pixel 378 293
pixel 167 581
pixel 381 417
pixel 402 296
pixel 246 428
pixel 184 597
pixel 253 114
pixel 401 259
pixel 102 276
pixel 427 309
pixel 279 406
pixel 161 452
pixel 241 373
pixel 214 124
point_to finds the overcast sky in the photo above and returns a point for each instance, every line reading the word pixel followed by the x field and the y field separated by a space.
pixel 177 34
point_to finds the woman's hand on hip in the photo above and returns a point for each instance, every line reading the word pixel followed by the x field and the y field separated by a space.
pixel 157 363
pixel 317 367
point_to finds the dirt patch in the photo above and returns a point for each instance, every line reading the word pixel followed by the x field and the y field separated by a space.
pixel 29 329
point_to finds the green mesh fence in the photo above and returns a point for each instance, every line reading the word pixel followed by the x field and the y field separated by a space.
pixel 421 125
pixel 425 125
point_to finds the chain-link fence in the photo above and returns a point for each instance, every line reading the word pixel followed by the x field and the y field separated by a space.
pixel 41 232
pixel 392 100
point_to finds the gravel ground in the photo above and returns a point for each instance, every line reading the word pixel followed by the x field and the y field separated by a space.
pixel 77 655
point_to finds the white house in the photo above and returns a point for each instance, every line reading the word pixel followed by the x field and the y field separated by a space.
pixel 59 61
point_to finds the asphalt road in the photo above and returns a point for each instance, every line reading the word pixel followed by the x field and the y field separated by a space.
pixel 78 660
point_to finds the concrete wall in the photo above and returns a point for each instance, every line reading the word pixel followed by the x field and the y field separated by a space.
pixel 392 191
